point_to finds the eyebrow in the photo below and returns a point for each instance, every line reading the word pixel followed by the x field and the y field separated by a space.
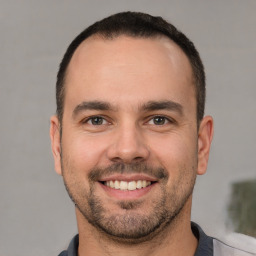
pixel 91 105
pixel 163 105
pixel 149 106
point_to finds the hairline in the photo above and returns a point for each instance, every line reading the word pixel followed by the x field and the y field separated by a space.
pixel 104 37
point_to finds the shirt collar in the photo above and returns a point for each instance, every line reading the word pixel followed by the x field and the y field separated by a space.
pixel 204 248
pixel 205 243
pixel 73 246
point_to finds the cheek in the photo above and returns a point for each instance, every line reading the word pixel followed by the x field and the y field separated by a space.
pixel 175 152
pixel 85 151
pixel 179 158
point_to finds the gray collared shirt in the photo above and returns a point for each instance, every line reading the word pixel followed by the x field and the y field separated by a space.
pixel 207 246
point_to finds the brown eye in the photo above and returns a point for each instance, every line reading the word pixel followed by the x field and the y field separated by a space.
pixel 159 120
pixel 96 120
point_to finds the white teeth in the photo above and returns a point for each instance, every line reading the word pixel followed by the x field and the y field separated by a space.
pixel 139 184
pixel 112 185
pixel 117 184
pixel 132 185
pixel 124 185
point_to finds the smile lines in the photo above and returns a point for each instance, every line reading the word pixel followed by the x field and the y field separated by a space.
pixel 127 185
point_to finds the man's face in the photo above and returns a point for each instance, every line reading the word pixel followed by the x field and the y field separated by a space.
pixel 129 145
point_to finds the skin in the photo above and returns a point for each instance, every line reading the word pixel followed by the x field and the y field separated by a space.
pixel 128 74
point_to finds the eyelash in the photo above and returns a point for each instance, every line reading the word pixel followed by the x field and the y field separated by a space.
pixel 150 119
pixel 164 118
pixel 87 120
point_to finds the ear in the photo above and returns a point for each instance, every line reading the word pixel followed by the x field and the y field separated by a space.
pixel 205 135
pixel 55 142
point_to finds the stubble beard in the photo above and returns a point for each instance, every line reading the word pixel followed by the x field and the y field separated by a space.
pixel 130 226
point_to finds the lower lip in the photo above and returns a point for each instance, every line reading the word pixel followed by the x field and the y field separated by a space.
pixel 127 194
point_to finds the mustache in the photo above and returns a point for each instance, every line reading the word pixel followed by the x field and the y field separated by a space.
pixel 133 168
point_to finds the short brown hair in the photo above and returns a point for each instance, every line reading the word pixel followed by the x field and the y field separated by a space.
pixel 140 25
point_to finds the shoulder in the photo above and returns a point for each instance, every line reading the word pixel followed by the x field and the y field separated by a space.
pixel 236 245
pixel 232 244
pixel 64 253
pixel 72 248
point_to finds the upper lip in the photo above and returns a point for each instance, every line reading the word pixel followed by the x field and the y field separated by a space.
pixel 130 177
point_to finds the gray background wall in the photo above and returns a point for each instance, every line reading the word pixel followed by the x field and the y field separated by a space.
pixel 37 217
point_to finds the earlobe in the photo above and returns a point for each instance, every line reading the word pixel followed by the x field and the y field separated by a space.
pixel 55 143
pixel 205 135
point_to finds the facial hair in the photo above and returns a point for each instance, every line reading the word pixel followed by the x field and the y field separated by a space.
pixel 133 223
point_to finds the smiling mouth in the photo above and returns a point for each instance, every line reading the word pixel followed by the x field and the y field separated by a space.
pixel 127 185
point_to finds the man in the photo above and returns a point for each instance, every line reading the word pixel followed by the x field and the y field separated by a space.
pixel 130 137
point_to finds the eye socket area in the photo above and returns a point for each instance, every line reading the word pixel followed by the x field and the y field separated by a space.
pixel 159 120
pixel 100 122
pixel 95 121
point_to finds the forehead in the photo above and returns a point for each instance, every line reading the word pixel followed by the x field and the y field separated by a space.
pixel 96 52
pixel 126 67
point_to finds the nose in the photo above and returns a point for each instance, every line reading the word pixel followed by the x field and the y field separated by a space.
pixel 128 146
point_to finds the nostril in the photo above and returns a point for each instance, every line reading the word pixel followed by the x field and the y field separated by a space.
pixel 128 148
pixel 138 159
pixel 127 160
pixel 117 160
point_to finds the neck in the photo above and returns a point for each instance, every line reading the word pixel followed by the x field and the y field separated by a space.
pixel 175 239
